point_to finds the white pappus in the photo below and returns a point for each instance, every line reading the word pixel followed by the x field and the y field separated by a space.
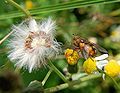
pixel 32 43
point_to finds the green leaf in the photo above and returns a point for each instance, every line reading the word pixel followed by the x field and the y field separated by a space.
pixel 58 7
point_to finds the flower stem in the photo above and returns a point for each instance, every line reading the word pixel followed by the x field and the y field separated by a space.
pixel 17 70
pixel 27 13
pixel 57 71
pixel 46 77
pixel 118 87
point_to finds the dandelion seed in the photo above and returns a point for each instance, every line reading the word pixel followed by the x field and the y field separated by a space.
pixel 33 43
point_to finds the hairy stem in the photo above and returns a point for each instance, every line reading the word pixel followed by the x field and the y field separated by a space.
pixel 118 87
pixel 1 41
pixel 57 71
pixel 71 84
pixel 116 84
pixel 46 77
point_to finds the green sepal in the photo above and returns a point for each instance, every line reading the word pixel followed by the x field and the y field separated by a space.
pixel 72 68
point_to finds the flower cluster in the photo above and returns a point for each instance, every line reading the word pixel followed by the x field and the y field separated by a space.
pixel 93 65
pixel 32 43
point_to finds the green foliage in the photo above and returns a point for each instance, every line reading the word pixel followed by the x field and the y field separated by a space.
pixel 58 7
pixel 87 18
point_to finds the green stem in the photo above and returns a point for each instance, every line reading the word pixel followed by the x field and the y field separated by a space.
pixel 1 41
pixel 57 71
pixel 56 88
pixel 27 13
pixel 46 77
pixel 17 70
pixel 118 87
pixel 115 13
pixel 71 84
pixel 116 84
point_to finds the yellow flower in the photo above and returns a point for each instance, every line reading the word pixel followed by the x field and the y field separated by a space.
pixel 71 60
pixel 75 55
pixel 68 52
pixel 71 56
pixel 90 65
pixel 29 4
pixel 112 68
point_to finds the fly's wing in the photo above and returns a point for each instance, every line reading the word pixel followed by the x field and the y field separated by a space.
pixel 100 49
pixel 84 54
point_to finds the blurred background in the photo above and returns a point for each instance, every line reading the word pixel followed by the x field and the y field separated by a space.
pixel 99 23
